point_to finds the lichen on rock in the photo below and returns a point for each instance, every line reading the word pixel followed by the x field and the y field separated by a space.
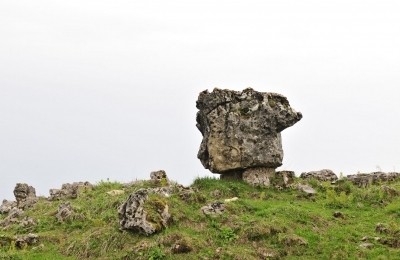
pixel 242 130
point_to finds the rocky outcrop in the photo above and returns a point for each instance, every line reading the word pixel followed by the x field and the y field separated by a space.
pixel 69 191
pixel 30 239
pixel 141 214
pixel 12 217
pixel 242 130
pixel 322 175
pixel 363 180
pixel 25 195
pixel 6 206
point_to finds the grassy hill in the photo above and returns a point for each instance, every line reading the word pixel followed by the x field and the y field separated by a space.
pixel 264 223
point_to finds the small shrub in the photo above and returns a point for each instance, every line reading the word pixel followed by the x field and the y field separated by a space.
pixel 227 234
pixel 156 253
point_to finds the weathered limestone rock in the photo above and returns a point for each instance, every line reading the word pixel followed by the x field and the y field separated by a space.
pixel 64 211
pixel 27 222
pixel 241 131
pixel 115 192
pixel 364 180
pixel 25 195
pixel 305 188
pixel 214 208
pixel 12 217
pixel 159 178
pixel 144 215
pixel 6 206
pixel 30 239
pixel 70 191
pixel 322 175
pixel 258 175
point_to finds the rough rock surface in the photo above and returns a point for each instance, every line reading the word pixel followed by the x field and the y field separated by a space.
pixel 305 188
pixel 241 130
pixel 64 211
pixel 12 217
pixel 25 195
pixel 69 191
pixel 30 239
pixel 139 214
pixel 6 206
pixel 214 208
pixel 364 180
pixel 159 178
pixel 322 175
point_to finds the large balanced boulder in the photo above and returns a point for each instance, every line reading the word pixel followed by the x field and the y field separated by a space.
pixel 242 130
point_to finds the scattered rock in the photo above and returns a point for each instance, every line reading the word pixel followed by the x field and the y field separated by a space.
pixel 364 238
pixel 293 240
pixel 339 214
pixel 230 200
pixel 182 246
pixel 27 222
pixel 140 214
pixel 214 208
pixel 159 178
pixel 366 245
pixel 64 211
pixel 12 217
pixel 115 192
pixel 70 191
pixel 322 175
pixel 305 188
pixel 364 180
pixel 380 227
pixel 216 193
pixel 25 195
pixel 133 183
pixel 6 206
pixel 390 191
pixel 30 239
pixel 284 178
pixel 241 130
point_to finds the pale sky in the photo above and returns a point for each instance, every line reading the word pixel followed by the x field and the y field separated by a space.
pixel 91 90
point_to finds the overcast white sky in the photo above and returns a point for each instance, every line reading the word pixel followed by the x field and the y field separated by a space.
pixel 91 90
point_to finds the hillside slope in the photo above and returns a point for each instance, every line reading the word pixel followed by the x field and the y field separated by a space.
pixel 339 222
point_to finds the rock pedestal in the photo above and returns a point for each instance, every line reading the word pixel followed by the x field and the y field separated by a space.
pixel 242 132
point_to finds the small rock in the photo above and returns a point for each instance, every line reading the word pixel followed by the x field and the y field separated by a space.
pixel 216 193
pixel 214 208
pixel 364 238
pixel 159 178
pixel 322 175
pixel 339 214
pixel 70 191
pixel 64 211
pixel 366 245
pixel 305 188
pixel 380 227
pixel 133 214
pixel 115 192
pixel 27 221
pixel 6 206
pixel 230 200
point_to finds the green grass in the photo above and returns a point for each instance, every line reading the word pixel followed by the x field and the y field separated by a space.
pixel 265 223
